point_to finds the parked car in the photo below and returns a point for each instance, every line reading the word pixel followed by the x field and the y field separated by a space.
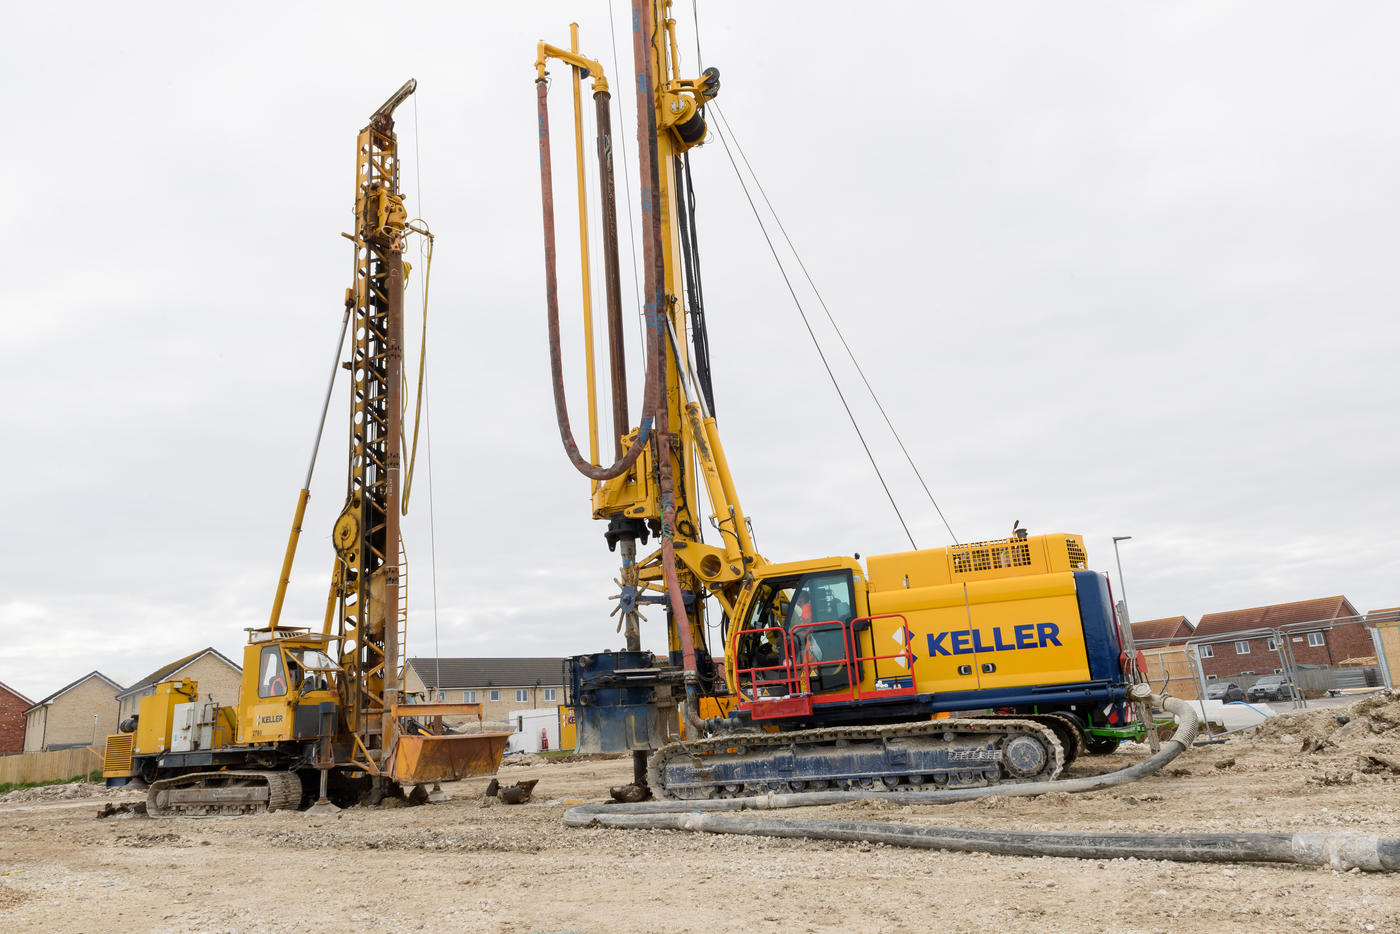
pixel 1227 691
pixel 1272 688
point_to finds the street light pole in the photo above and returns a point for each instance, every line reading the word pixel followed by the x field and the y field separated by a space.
pixel 1125 631
pixel 1127 624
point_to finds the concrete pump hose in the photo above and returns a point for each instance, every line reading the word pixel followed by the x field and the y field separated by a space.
pixel 1340 851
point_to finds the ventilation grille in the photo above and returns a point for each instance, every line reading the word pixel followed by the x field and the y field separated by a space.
pixel 1077 558
pixel 987 556
pixel 116 758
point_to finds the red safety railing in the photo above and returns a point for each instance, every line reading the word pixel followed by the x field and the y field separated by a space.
pixel 767 685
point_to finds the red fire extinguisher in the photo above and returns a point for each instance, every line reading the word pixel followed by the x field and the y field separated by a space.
pixel 544 740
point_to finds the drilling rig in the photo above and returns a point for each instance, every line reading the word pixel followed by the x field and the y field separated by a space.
pixel 322 714
pixel 975 664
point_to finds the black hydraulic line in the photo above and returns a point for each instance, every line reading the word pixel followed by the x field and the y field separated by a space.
pixel 690 261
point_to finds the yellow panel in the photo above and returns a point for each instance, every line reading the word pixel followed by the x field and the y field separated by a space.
pixel 157 714
pixel 1028 628
pixel 116 758
pixel 978 561
pixel 568 728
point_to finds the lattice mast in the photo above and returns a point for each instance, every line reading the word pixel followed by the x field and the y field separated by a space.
pixel 370 573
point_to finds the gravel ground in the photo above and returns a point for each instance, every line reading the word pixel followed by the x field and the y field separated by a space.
pixel 462 866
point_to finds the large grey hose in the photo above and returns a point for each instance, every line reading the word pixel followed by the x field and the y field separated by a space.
pixel 1340 851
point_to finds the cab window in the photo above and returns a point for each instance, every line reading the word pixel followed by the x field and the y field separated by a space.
pixel 272 680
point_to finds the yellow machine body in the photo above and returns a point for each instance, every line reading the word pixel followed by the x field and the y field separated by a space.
pixel 284 682
pixel 157 715
pixel 981 616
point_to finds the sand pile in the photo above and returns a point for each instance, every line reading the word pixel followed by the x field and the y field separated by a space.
pixel 1360 737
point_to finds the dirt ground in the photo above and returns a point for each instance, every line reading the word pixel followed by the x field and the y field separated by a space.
pixel 462 866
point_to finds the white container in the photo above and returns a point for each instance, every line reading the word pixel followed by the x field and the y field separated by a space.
pixel 533 728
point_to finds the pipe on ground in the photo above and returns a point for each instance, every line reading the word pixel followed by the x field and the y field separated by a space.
pixel 1339 851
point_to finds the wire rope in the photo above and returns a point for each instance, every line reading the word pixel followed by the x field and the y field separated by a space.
pixel 729 129
pixel 815 343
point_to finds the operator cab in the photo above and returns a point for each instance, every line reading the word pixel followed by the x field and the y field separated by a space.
pixel 794 637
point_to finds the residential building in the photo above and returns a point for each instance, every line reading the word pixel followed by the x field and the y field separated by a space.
pixel 1321 633
pixel 13 704
pixel 1386 625
pixel 73 715
pixel 499 685
pixel 1170 630
pixel 218 678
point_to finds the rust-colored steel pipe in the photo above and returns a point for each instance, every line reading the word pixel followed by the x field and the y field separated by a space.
pixel 561 406
pixel 612 277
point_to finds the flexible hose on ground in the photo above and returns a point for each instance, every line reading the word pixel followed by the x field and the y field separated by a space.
pixel 1340 851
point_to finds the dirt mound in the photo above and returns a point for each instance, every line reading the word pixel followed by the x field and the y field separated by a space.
pixel 56 793
pixel 1361 737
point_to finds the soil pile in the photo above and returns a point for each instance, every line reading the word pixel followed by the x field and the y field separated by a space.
pixel 1362 738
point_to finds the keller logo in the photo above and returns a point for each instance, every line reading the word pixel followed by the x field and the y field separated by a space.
pixel 1004 639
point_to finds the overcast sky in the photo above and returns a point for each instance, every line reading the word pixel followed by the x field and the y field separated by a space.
pixel 1113 268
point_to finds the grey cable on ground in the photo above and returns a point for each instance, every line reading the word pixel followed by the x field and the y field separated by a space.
pixel 1340 851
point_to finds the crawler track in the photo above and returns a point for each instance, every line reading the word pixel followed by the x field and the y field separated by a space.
pixel 218 794
pixel 928 754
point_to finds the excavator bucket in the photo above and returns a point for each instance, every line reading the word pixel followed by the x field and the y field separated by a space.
pixel 448 758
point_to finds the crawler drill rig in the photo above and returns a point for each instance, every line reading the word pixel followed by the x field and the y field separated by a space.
pixel 971 665
pixel 322 714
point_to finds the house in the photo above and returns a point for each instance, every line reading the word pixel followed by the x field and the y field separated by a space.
pixel 1386 625
pixel 499 685
pixel 1321 633
pixel 13 704
pixel 1170 630
pixel 73 715
pixel 218 677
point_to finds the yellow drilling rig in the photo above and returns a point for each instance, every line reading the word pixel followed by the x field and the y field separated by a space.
pixel 975 664
pixel 322 714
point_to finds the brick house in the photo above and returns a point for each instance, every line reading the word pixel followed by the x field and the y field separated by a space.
pixel 499 685
pixel 215 673
pixel 13 704
pixel 1322 633
pixel 1171 630
pixel 66 717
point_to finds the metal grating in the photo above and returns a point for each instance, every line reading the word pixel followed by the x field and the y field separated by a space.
pixel 1077 558
pixel 116 758
pixel 985 556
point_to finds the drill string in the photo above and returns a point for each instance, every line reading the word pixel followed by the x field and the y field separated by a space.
pixel 815 343
pixel 1341 851
pixel 834 326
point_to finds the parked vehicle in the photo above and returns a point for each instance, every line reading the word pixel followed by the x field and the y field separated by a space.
pixel 1227 691
pixel 1272 688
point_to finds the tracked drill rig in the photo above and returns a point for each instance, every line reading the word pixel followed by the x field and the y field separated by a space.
pixel 322 714
pixel 843 675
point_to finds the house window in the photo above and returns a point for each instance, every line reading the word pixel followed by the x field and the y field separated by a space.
pixel 495 695
pixel 1242 648
pixel 1207 651
pixel 469 697
pixel 442 695
pixel 1315 639
pixel 549 694
pixel 1273 645
pixel 521 695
